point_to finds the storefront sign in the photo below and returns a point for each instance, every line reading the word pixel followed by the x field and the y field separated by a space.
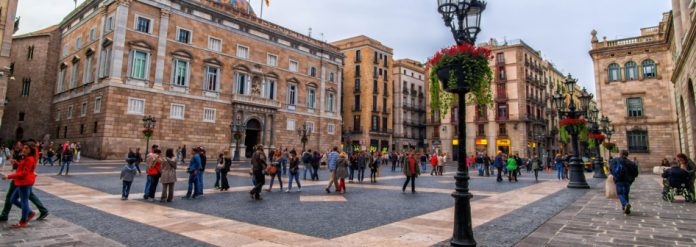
pixel 503 142
pixel 455 142
pixel 481 142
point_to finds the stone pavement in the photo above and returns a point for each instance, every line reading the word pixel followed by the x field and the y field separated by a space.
pixel 51 232
pixel 88 203
pixel 594 220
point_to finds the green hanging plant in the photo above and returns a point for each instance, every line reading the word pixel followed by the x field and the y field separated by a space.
pixel 472 63
pixel 577 125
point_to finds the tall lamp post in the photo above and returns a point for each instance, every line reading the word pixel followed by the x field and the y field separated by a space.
pixel 237 128
pixel 596 129
pixel 608 130
pixel 463 17
pixel 571 111
pixel 304 134
pixel 149 125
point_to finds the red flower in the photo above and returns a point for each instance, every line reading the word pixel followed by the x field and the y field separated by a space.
pixel 455 50
pixel 599 137
pixel 572 121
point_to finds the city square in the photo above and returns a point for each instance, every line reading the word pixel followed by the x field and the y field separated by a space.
pixel 240 123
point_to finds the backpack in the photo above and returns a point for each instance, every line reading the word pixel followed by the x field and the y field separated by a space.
pixel 619 171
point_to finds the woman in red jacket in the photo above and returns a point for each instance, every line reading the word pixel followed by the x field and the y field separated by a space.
pixel 24 180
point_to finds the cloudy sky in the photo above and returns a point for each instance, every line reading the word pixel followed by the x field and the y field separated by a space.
pixel 559 28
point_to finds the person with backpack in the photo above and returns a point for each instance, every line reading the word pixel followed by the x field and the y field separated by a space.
pixel 625 172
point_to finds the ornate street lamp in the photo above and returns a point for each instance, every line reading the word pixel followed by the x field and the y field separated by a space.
pixel 463 17
pixel 237 128
pixel 596 132
pixel 304 134
pixel 572 112
pixel 149 125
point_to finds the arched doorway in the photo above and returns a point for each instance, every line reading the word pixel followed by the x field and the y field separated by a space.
pixel 252 136
pixel 19 134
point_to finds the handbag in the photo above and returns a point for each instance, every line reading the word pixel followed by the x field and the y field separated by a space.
pixel 272 170
pixel 610 188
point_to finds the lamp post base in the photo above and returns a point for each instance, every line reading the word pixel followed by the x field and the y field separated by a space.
pixel 236 152
pixel 599 169
pixel 577 175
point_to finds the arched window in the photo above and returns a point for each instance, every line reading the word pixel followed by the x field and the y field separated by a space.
pixel 614 74
pixel 649 69
pixel 631 70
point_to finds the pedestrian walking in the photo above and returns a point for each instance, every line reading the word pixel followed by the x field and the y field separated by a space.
pixel 332 158
pixel 4 215
pixel 535 164
pixel 499 163
pixel 67 158
pixel 284 158
pixel 411 171
pixel 274 171
pixel 316 158
pixel 218 167
pixel 193 169
pixel 487 165
pixel 127 176
pixel 479 164
pixel 138 159
pixel 78 151
pixel 307 164
pixel 342 172
pixel 168 177
pixel 512 169
pixel 258 165
pixel 625 172
pixel 559 167
pixel 423 162
pixel 353 160
pixel 23 180
pixel 374 167
pixel 362 162
pixel 227 166
pixel 204 161
pixel 294 171
pixel 433 163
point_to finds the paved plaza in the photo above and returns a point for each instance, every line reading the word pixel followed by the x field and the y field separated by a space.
pixel 86 210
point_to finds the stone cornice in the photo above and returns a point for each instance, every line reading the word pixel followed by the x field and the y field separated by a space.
pixel 657 43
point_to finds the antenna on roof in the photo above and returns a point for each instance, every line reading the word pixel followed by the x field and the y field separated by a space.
pixel 310 32
pixel 322 37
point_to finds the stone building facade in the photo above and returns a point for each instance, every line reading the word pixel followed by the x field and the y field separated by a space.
pixel 409 81
pixel 368 98
pixel 632 78
pixel 683 56
pixel 35 59
pixel 194 65
pixel 8 26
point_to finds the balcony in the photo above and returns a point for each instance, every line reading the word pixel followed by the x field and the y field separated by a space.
pixel 381 132
pixel 356 90
pixel 481 119
pixel 355 131
pixel 375 61
pixel 358 59
pixel 357 109
pixel 405 92
pixel 500 62
pixel 421 95
pixel 255 100
pixel 414 92
pixel 502 118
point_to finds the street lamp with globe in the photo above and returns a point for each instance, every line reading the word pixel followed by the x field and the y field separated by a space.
pixel 572 113
pixel 596 132
pixel 463 17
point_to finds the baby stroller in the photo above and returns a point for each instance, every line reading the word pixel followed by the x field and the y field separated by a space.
pixel 680 189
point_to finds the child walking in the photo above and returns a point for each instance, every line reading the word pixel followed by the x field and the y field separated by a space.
pixel 127 175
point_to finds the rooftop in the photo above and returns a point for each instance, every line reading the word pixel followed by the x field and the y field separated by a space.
pixel 647 35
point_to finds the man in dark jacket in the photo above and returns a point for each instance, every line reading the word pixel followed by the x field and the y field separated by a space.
pixel 625 172
pixel 676 178
pixel 690 167
pixel 258 165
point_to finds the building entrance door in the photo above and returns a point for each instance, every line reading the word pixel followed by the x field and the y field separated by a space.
pixel 252 136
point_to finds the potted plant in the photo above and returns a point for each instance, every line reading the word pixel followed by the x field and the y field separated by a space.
pixel 462 69
pixel 610 146
pixel 148 132
pixel 595 139
pixel 575 124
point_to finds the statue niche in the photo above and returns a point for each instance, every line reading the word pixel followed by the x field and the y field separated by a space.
pixel 256 86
